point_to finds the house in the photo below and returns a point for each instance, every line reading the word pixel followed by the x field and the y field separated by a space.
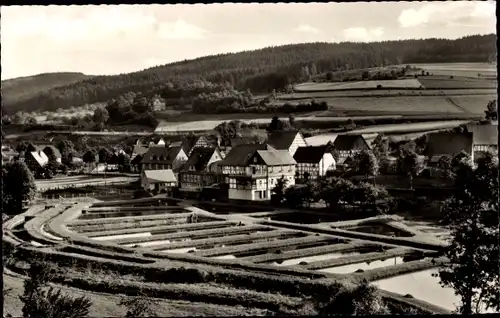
pixel 138 150
pixel 158 105
pixel 159 158
pixel 288 140
pixel 251 171
pixel 314 161
pixel 35 160
pixel 200 169
pixel 50 151
pixel 135 164
pixel 347 145
pixel 205 142
pixel 484 139
pixel 446 143
pixel 157 141
pixel 158 180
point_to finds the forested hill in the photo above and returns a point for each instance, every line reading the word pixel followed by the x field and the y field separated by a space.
pixel 260 70
pixel 25 87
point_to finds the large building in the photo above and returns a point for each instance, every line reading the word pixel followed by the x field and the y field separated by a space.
pixel 252 171
pixel 314 161
pixel 158 180
pixel 201 169
pixel 484 139
pixel 348 145
pixel 159 158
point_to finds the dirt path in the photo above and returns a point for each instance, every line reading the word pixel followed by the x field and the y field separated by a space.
pixel 106 305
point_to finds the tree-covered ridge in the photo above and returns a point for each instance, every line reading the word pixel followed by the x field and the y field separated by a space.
pixel 25 87
pixel 259 70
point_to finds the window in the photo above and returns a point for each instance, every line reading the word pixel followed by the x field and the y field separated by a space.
pixel 254 170
pixel 255 159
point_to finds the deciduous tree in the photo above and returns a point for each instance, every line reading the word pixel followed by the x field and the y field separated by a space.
pixel 411 165
pixel 472 214
pixel 18 187
pixel 278 192
pixel 491 112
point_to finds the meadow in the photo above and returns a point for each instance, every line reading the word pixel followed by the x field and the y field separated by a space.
pixel 460 69
pixel 385 84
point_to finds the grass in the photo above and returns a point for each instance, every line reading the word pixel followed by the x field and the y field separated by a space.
pixel 365 257
pixel 399 269
pixel 218 232
pixel 267 258
pixel 447 83
pixel 459 69
pixel 233 239
pixel 395 84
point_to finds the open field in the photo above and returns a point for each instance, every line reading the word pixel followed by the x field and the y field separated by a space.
pixel 445 82
pixel 459 69
pixel 386 84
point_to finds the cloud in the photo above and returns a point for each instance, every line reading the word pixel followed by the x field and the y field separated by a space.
pixel 447 13
pixel 180 30
pixel 306 28
pixel 358 34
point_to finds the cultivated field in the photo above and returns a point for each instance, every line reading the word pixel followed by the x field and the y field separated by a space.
pixel 460 69
pixel 387 84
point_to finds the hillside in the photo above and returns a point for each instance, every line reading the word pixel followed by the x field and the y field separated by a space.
pixel 260 70
pixel 23 88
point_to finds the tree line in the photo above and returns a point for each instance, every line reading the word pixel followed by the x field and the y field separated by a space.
pixel 260 70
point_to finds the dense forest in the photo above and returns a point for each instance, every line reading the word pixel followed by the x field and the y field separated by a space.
pixel 263 70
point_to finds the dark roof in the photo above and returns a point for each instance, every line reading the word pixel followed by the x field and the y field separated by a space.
pixel 167 155
pixel 139 150
pixel 281 139
pixel 239 155
pixel 240 141
pixel 54 149
pixel 484 134
pixel 310 154
pixel 350 142
pixel 199 158
pixel 448 143
pixel 137 159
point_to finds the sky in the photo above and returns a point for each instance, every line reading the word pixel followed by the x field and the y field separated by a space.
pixel 106 40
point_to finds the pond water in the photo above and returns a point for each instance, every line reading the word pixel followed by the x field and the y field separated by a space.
pixel 348 269
pixel 379 228
pixel 223 209
pixel 225 257
pixel 421 285
pixel 302 218
pixel 121 236
pixel 314 258
pixel 179 250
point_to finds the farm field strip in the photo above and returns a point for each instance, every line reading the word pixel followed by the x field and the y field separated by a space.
pixel 161 229
pixel 227 239
pixel 129 219
pixel 371 84
pixel 137 223
pixel 294 242
pixel 306 97
pixel 302 252
pixel 364 257
pixel 203 233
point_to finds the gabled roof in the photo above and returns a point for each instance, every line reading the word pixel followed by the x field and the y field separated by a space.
pixel 282 139
pixel 137 159
pixel 310 154
pixel 139 150
pixel 448 143
pixel 350 142
pixel 160 176
pixel 276 157
pixel 54 149
pixel 167 155
pixel 240 141
pixel 199 158
pixel 239 155
pixel 484 134
pixel 40 157
pixel 186 144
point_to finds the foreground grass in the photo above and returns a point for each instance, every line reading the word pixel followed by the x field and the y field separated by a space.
pixel 106 305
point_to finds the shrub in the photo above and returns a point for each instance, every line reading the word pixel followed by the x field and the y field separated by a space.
pixel 379 86
pixel 138 307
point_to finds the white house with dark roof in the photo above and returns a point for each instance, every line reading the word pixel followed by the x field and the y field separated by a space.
pixel 159 158
pixel 484 139
pixel 251 171
pixel 348 145
pixel 158 180
pixel 314 161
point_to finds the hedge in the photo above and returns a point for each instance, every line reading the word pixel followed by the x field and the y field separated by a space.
pixel 265 246
pixel 164 228
pixel 210 233
pixel 267 258
pixel 368 257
